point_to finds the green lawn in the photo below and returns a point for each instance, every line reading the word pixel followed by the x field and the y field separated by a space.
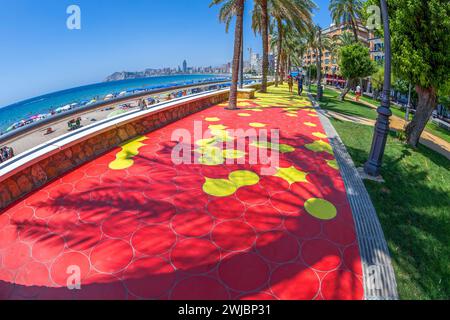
pixel 413 207
pixel 350 108
pixel 431 127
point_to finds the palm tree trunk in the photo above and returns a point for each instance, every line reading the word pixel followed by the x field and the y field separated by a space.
pixel 265 38
pixel 241 62
pixel 237 54
pixel 289 65
pixel 283 65
pixel 355 30
pixel 279 48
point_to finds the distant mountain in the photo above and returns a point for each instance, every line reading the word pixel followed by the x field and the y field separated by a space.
pixel 126 75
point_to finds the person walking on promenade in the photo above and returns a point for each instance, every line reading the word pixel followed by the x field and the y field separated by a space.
pixel 358 93
pixel 290 83
pixel 300 84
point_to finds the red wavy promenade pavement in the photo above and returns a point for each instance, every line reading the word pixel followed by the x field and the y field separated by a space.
pixel 151 231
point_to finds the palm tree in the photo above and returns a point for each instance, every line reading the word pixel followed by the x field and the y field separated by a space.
pixel 261 25
pixel 286 14
pixel 229 9
pixel 345 39
pixel 347 12
pixel 318 43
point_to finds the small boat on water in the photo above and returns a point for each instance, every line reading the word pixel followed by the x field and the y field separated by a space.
pixel 109 97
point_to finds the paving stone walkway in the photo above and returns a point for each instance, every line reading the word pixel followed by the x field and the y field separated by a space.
pixel 133 225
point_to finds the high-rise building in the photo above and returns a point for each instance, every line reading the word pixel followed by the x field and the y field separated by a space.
pixel 255 62
pixel 376 48
pixel 185 68
pixel 329 61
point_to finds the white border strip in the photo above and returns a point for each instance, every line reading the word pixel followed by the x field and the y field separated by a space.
pixel 378 273
pixel 49 148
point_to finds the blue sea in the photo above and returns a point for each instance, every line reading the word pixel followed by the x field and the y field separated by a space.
pixel 44 104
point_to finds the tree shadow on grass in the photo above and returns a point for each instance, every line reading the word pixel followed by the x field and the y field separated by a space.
pixel 413 208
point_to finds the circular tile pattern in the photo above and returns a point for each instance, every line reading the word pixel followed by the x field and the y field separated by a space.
pixel 234 235
pixel 277 246
pixel 253 195
pixel 287 202
pixel 48 247
pixel 195 256
pixel 342 285
pixel 192 224
pixel 263 218
pixel 69 264
pixel 16 255
pixel 321 255
pixel 153 240
pixel 244 272
pixel 111 256
pixel 199 288
pixel 303 226
pixel 120 225
pixel 321 209
pixel 226 208
pixel 149 278
pixel 306 282
pixel 151 232
pixel 33 274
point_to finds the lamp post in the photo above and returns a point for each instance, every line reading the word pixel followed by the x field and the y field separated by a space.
pixel 408 107
pixel 373 165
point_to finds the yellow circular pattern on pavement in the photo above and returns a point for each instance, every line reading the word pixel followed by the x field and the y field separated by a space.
pixel 333 164
pixel 321 209
pixel 219 187
pixel 319 135
pixel 215 119
pixel 205 142
pixel 242 178
pixel 233 154
pixel 217 127
pixel 244 115
pixel 257 125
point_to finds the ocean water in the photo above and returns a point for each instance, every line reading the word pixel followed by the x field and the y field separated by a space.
pixel 44 104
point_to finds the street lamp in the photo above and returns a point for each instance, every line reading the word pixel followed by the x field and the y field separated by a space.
pixel 373 165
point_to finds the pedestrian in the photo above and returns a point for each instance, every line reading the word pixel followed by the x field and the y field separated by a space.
pixel 300 84
pixel 290 83
pixel 358 93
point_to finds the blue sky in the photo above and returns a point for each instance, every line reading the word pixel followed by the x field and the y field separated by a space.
pixel 39 54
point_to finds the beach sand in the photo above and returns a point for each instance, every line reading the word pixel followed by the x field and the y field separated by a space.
pixel 39 136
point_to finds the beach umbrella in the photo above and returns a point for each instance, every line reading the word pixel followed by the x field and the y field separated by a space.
pixel 11 128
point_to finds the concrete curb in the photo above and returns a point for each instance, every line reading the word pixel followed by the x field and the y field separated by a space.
pixel 378 273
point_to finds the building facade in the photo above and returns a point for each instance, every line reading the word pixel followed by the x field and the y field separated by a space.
pixel 376 48
pixel 329 60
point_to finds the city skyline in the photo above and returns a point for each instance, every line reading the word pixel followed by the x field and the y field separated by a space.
pixel 113 37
